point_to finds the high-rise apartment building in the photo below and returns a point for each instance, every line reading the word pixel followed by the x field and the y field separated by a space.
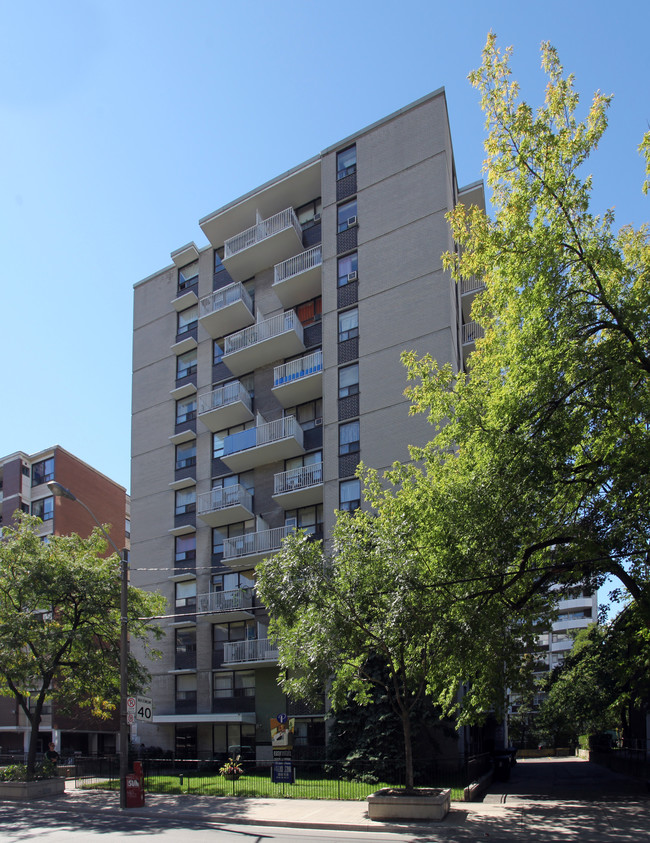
pixel 266 366
pixel 23 487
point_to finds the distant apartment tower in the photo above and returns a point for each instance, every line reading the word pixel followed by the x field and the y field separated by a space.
pixel 23 479
pixel 266 367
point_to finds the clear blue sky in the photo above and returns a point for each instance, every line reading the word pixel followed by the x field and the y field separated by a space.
pixel 123 123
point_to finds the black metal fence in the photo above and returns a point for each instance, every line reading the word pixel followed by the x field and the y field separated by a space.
pixel 311 779
pixel 629 762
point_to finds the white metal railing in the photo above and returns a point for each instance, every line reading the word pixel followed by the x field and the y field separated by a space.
pixel 224 396
pixel 295 369
pixel 297 264
pixel 224 297
pixel 471 332
pixel 225 601
pixel 253 650
pixel 224 497
pixel 250 544
pixel 260 231
pixel 471 285
pixel 298 478
pixel 261 331
pixel 263 434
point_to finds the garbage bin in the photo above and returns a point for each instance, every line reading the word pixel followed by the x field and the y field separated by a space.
pixel 502 764
pixel 134 791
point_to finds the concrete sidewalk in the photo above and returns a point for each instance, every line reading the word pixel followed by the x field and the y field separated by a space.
pixel 545 800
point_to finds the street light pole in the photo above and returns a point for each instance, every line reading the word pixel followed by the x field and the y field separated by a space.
pixel 60 491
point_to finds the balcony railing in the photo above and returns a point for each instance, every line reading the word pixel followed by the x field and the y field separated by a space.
pixel 298 478
pixel 261 331
pixel 261 231
pixel 298 264
pixel 225 601
pixel 224 297
pixel 471 285
pixel 255 650
pixel 296 369
pixel 471 332
pixel 224 497
pixel 231 393
pixel 263 434
pixel 255 544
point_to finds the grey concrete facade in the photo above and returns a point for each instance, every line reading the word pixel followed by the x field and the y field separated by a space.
pixel 309 322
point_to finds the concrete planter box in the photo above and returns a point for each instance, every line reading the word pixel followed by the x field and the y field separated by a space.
pixel 391 804
pixel 26 791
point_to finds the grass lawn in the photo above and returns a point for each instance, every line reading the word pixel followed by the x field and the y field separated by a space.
pixel 259 786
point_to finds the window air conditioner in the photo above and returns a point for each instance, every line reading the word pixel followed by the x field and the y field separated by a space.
pixel 351 221
pixel 318 422
pixel 316 217
pixel 352 276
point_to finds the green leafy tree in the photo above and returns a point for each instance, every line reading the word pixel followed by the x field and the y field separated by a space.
pixel 354 619
pixel 602 681
pixel 541 458
pixel 60 623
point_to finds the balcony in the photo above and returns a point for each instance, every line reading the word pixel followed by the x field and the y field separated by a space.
pixel 241 552
pixel 300 380
pixel 471 332
pixel 262 245
pixel 269 442
pixel 235 605
pixel 245 652
pixel 226 310
pixel 299 278
pixel 299 486
pixel 268 340
pixel 225 407
pixel 225 505
pixel 469 287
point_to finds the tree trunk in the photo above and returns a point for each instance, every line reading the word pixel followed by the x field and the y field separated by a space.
pixel 408 749
pixel 35 722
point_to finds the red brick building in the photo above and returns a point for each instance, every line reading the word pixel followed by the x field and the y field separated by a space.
pixel 23 486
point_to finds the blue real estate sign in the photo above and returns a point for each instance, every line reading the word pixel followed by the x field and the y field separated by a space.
pixel 282 768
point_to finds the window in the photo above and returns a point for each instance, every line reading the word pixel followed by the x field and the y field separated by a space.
pixel 188 319
pixel 186 640
pixel 347 216
pixel 217 353
pixel 231 531
pixel 127 528
pixel 350 495
pixel 346 162
pixel 43 472
pixel 232 581
pixel 43 509
pixel 188 275
pixel 349 438
pixel 308 415
pixel 348 324
pixel 185 501
pixel 310 312
pixel 349 380
pixel 186 409
pixel 186 364
pixel 240 683
pixel 186 687
pixel 308 518
pixel 348 269
pixel 186 454
pixel 185 548
pixel 217 443
pixel 218 258
pixel 186 594
pixel 309 214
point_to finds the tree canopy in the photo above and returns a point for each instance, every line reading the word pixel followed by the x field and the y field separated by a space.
pixel 535 480
pixel 541 460
pixel 60 623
